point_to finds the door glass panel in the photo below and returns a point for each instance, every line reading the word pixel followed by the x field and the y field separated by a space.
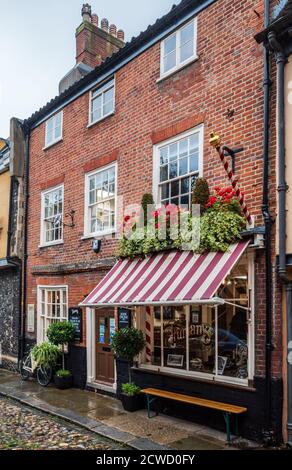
pixel 112 329
pixel 101 333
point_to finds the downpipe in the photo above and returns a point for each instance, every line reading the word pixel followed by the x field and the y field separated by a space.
pixel 282 190
pixel 268 434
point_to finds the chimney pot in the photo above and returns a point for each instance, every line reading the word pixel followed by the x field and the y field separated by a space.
pixel 113 30
pixel 121 35
pixel 104 24
pixel 94 19
pixel 86 12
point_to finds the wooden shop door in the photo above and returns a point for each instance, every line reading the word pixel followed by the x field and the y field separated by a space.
pixel 105 328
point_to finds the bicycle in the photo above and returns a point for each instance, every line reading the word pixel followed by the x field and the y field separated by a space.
pixel 29 368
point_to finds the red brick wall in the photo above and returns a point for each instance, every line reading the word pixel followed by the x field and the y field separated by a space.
pixel 227 75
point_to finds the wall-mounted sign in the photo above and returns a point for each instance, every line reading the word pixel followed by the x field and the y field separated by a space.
pixel 124 315
pixel 30 318
pixel 75 317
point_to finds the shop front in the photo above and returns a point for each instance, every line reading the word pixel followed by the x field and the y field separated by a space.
pixel 197 313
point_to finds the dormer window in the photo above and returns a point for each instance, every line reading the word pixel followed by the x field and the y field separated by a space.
pixel 179 49
pixel 54 129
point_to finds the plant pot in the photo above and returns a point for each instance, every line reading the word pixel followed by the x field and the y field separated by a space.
pixel 62 383
pixel 132 403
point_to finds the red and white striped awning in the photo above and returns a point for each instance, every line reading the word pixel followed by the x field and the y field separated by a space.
pixel 173 278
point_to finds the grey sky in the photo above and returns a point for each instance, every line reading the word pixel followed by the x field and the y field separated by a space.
pixel 37 45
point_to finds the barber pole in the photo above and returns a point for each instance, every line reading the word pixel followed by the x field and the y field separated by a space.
pixel 215 141
pixel 148 335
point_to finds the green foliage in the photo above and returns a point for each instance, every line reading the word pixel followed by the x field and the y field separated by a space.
pixel 201 193
pixel 62 373
pixel 147 200
pixel 219 229
pixel 60 333
pixel 45 354
pixel 128 343
pixel 130 389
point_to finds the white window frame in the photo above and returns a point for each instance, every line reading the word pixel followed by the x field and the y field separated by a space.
pixel 140 323
pixel 87 231
pixel 43 242
pixel 55 140
pixel 47 288
pixel 156 159
pixel 102 88
pixel 179 65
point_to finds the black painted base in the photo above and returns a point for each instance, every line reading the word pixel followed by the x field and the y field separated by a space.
pixel 76 363
pixel 252 425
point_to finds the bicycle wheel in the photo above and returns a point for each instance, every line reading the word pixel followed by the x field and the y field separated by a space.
pixel 25 374
pixel 44 375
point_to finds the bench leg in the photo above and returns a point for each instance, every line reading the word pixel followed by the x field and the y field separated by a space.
pixel 149 401
pixel 227 421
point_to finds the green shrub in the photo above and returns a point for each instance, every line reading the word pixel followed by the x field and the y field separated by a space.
pixel 201 193
pixel 131 389
pixel 45 354
pixel 62 373
pixel 219 229
pixel 61 333
pixel 127 344
pixel 147 200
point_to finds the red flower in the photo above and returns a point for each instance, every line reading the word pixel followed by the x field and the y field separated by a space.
pixel 157 226
pixel 127 218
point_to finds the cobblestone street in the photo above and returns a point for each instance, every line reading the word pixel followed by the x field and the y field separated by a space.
pixel 24 429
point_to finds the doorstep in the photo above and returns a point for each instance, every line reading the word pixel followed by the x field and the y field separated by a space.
pixel 105 416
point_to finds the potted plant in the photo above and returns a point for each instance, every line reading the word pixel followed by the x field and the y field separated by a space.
pixel 61 334
pixel 127 344
pixel 45 354
pixel 131 397
pixel 63 379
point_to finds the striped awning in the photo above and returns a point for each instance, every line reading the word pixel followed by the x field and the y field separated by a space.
pixel 173 278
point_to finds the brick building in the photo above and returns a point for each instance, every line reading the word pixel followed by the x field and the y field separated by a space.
pixel 195 70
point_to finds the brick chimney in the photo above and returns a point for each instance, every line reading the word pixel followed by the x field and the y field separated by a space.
pixel 95 43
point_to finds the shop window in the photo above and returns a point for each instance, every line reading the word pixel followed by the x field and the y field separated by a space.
pixel 52 308
pixel 207 341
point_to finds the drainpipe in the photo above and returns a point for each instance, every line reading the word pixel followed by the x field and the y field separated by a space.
pixel 25 255
pixel 282 189
pixel 268 228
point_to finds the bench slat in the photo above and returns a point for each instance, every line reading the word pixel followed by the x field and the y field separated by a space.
pixel 195 401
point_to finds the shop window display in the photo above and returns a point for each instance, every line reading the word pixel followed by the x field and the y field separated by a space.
pixel 206 340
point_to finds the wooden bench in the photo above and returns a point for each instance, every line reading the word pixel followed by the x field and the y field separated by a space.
pixel 153 393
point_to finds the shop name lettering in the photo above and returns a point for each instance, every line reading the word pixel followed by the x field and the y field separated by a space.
pixel 150 459
pixel 179 334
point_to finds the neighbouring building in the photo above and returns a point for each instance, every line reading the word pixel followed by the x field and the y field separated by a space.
pixel 11 243
pixel 277 37
pixel 136 118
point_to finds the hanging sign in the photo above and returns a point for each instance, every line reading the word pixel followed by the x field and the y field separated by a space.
pixel 75 317
pixel 124 318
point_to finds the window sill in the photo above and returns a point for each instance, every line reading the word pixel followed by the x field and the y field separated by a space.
pixel 100 120
pixel 46 147
pixel 98 235
pixel 177 69
pixel 244 385
pixel 48 245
